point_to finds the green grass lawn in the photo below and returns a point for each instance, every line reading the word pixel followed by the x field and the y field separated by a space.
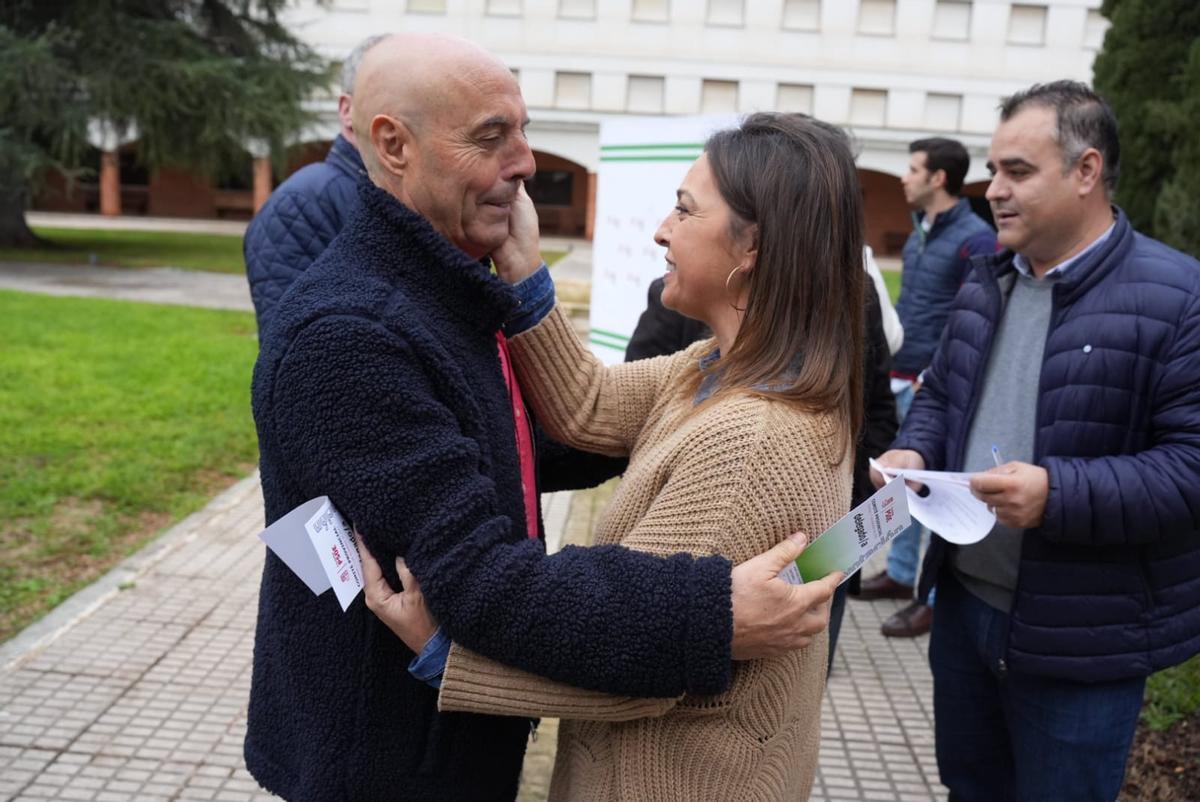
pixel 892 279
pixel 116 419
pixel 214 252
pixel 550 257
pixel 1172 694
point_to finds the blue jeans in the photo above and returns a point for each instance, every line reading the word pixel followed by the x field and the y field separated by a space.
pixel 837 610
pixel 904 552
pixel 1003 736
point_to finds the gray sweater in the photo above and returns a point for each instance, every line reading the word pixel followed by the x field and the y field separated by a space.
pixel 1006 418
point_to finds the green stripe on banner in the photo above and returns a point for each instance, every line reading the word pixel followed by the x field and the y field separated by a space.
pixel 691 158
pixel 611 335
pixel 687 146
pixel 606 344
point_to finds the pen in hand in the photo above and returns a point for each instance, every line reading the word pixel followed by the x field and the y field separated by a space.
pixel 996 456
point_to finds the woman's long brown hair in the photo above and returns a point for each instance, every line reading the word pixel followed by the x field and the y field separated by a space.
pixel 801 337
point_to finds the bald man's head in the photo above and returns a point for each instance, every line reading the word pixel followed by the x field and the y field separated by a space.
pixel 441 126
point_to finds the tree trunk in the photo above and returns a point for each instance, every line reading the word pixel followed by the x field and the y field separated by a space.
pixel 14 232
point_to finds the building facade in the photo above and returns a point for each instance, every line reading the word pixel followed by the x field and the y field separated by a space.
pixel 890 70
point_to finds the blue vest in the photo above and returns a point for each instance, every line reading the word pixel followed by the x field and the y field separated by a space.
pixel 935 264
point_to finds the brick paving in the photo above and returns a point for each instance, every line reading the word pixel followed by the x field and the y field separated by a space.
pixel 136 688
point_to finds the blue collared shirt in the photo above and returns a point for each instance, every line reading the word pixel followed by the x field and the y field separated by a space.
pixel 1023 267
pixel 536 295
pixel 430 664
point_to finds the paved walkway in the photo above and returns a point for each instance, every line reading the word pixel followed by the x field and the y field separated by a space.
pixel 136 688
pixel 160 285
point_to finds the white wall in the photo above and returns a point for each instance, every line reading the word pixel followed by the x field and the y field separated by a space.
pixel 758 54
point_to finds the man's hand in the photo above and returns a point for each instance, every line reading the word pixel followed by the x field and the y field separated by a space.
pixel 1016 491
pixel 771 616
pixel 897 458
pixel 520 255
pixel 404 613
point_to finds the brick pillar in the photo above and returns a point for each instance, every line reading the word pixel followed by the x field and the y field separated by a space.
pixel 110 184
pixel 589 227
pixel 262 181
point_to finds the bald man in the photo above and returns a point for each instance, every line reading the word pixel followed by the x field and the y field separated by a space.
pixel 383 382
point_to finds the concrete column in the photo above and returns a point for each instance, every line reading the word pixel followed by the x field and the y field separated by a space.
pixel 261 152
pixel 262 182
pixel 589 226
pixel 110 184
pixel 108 138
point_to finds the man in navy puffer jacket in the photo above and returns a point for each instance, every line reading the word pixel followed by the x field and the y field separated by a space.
pixel 306 211
pixel 1076 355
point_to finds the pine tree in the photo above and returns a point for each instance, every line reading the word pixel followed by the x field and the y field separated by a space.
pixel 1148 71
pixel 1177 209
pixel 194 78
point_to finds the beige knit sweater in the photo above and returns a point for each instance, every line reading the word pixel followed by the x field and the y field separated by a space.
pixel 732 477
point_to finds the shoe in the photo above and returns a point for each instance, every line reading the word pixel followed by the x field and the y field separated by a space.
pixel 909 622
pixel 882 586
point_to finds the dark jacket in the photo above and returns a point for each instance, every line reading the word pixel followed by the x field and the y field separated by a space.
pixel 935 265
pixel 379 385
pixel 879 404
pixel 662 331
pixel 298 222
pixel 1109 584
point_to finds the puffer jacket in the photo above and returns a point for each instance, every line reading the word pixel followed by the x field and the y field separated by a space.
pixel 935 265
pixel 298 222
pixel 1109 584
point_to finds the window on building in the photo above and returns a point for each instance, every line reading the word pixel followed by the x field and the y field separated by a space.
pixel 644 95
pixel 952 19
pixel 1027 25
pixel 794 97
pixel 868 107
pixel 943 112
pixel 802 15
pixel 504 8
pixel 577 9
pixel 572 90
pixel 551 187
pixel 651 10
pixel 726 12
pixel 427 6
pixel 1094 29
pixel 718 97
pixel 877 17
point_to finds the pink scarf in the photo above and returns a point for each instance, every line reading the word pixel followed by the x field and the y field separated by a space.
pixel 524 438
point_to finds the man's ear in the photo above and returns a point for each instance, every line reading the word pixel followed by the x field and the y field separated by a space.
pixel 1090 171
pixel 393 142
pixel 937 179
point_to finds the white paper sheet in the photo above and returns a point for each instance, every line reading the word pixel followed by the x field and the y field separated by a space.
pixel 317 544
pixel 949 508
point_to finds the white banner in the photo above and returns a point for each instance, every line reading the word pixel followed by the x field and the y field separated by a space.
pixel 642 162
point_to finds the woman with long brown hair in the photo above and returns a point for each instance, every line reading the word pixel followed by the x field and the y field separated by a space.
pixel 734 444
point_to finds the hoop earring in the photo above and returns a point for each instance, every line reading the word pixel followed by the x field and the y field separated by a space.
pixel 729 278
